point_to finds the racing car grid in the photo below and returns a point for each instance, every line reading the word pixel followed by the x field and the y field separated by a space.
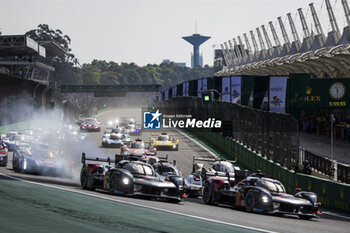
pixel 138 170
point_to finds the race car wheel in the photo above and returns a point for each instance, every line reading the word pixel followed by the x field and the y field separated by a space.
pixel 249 202
pixel 84 179
pixel 177 148
pixel 112 183
pixel 305 217
pixel 207 193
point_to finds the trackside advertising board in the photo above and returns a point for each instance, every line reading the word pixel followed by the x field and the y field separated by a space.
pixel 236 89
pixel 277 94
pixel 225 93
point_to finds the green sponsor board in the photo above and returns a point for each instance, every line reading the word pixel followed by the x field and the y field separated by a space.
pixel 319 93
pixel 110 88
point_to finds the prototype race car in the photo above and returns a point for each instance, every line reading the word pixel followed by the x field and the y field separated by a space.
pixel 258 194
pixel 169 172
pixel 3 154
pixel 114 139
pixel 91 126
pixel 201 172
pixel 127 177
pixel 165 141
pixel 138 148
pixel 124 121
pixel 36 160
pixel 131 129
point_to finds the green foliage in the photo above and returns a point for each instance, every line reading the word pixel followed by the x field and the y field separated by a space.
pixel 111 73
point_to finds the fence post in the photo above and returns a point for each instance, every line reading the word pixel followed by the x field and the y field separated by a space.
pixel 335 164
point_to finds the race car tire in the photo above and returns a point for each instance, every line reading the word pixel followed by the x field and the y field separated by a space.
pixel 86 182
pixel 305 217
pixel 177 148
pixel 249 201
pixel 84 179
pixel 112 183
pixel 207 193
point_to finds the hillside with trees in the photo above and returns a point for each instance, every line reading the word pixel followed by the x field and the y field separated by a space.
pixel 100 72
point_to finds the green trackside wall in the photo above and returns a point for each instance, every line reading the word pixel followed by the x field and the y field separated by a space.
pixel 332 195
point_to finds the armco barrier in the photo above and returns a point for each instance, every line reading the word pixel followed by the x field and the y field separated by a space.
pixel 331 194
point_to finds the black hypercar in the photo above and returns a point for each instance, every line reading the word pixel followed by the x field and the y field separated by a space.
pixel 259 194
pixel 169 172
pixel 127 177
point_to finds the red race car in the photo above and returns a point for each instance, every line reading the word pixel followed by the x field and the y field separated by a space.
pixel 91 126
pixel 138 148
pixel 3 155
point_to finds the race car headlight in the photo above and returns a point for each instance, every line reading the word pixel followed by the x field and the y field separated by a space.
pixel 125 181
pixel 110 122
pixel 117 121
pixel 264 199
pixel 174 146
pixel 25 164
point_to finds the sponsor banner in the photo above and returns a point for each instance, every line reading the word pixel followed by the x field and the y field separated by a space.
pixel 205 84
pixel 225 93
pixel 236 89
pixel 277 97
pixel 200 88
pixel 185 89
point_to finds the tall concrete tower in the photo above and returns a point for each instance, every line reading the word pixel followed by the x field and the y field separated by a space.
pixel 196 40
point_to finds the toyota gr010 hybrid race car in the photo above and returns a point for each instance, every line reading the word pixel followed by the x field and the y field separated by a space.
pixel 258 194
pixel 165 141
pixel 169 172
pixel 37 159
pixel 138 148
pixel 127 177
pixel 201 172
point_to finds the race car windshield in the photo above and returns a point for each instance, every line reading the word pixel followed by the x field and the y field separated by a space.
pixel 271 186
pixel 138 145
pixel 163 138
pixel 166 171
pixel 141 169
pixel 129 126
pixel 90 123
pixel 116 136
pixel 117 130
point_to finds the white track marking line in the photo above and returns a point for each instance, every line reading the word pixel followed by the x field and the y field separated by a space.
pixel 199 144
pixel 138 205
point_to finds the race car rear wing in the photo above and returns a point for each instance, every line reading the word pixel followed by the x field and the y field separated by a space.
pixel 163 158
pixel 108 160
pixel 208 160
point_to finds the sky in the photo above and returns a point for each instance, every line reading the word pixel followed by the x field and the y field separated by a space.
pixel 148 31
